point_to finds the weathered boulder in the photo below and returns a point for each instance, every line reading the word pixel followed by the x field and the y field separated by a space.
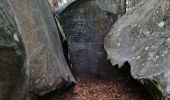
pixel 14 72
pixel 49 70
pixel 112 6
pixel 85 26
pixel 59 5
pixel 142 37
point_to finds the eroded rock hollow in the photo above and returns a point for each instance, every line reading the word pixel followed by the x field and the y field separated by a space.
pixel 142 38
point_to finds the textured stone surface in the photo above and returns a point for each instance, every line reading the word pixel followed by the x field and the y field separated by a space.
pixel 142 37
pixel 14 72
pixel 49 70
pixel 62 4
pixel 111 6
pixel 85 26
pixel 59 5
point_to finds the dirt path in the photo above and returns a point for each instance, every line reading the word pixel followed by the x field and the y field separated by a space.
pixel 123 88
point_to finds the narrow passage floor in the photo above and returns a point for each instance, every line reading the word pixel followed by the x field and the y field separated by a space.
pixel 121 88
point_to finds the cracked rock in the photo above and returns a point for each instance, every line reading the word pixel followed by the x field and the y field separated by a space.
pixel 49 70
pixel 14 70
pixel 148 54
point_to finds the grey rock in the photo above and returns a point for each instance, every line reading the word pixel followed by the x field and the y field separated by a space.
pixel 85 26
pixel 14 71
pixel 141 37
pixel 60 4
pixel 49 70
pixel 111 6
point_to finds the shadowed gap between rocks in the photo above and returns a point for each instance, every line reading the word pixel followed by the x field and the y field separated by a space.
pixel 68 22
pixel 123 87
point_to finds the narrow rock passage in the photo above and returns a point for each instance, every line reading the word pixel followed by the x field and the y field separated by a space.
pixel 121 88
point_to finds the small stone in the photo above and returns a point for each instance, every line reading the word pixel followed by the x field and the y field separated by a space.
pixel 157 57
pixel 165 52
pixel 161 24
pixel 151 54
pixel 138 57
pixel 133 58
pixel 16 37
pixel 146 48
pixel 168 42
pixel 118 44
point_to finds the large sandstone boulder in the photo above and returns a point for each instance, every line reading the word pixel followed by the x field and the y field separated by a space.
pixel 85 26
pixel 14 72
pixel 142 37
pixel 49 70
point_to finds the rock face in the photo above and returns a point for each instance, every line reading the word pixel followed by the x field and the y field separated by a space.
pixel 85 26
pixel 49 70
pixel 59 5
pixel 112 6
pixel 14 72
pixel 142 37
